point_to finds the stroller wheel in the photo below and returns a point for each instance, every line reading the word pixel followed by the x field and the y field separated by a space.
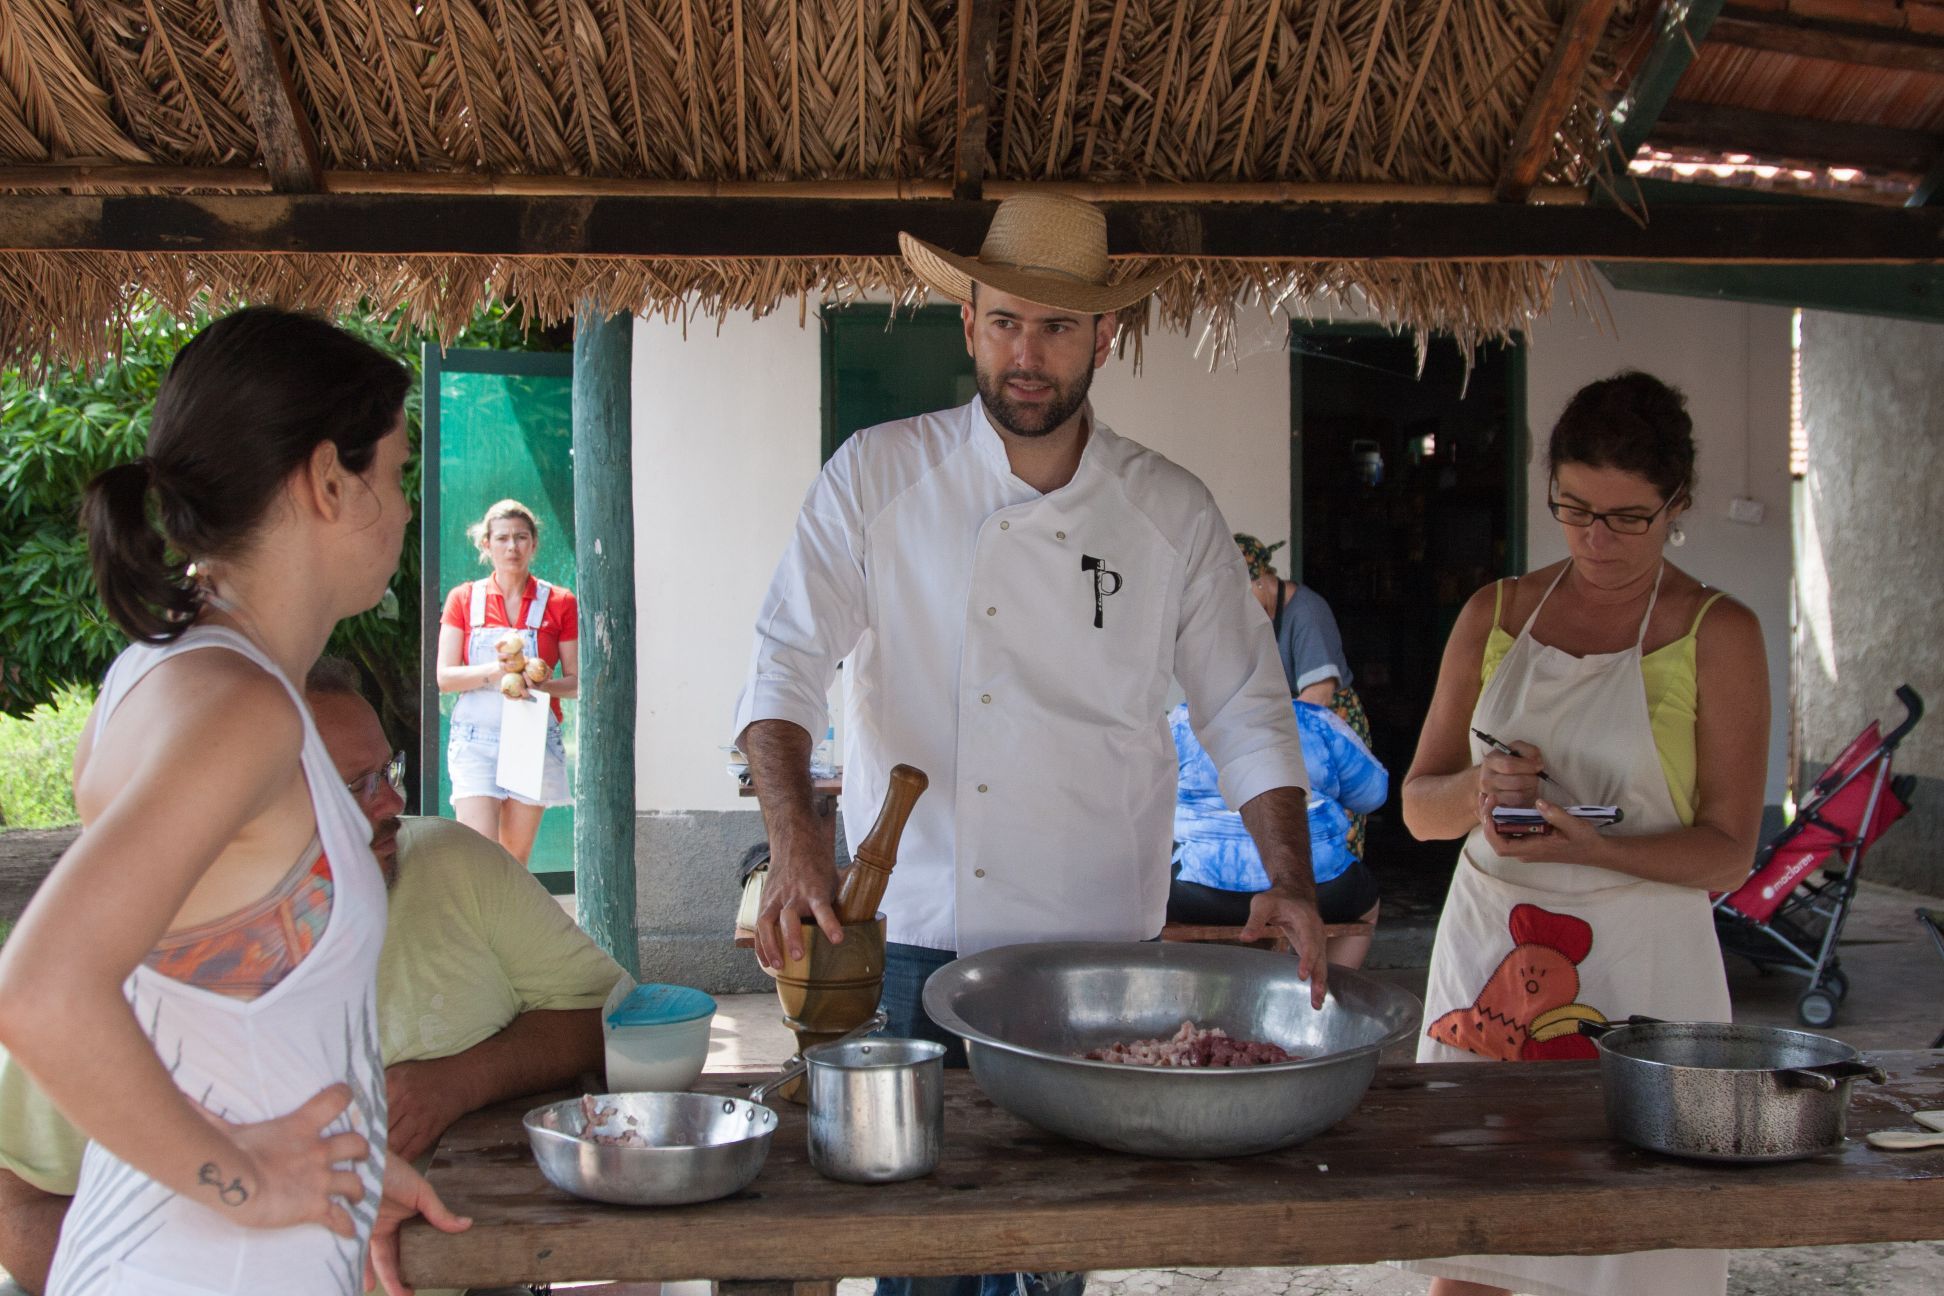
pixel 1837 983
pixel 1816 1007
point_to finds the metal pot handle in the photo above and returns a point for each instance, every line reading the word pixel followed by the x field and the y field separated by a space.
pixel 796 1066
pixel 1595 1029
pixel 1830 1074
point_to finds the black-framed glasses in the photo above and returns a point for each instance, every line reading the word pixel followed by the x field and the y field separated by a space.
pixel 391 773
pixel 1619 523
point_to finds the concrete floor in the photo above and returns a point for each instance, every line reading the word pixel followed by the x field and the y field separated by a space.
pixel 1896 1001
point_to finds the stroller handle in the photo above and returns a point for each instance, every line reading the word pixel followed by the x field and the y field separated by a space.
pixel 1913 706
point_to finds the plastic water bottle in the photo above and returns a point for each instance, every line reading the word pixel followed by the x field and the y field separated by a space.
pixel 823 760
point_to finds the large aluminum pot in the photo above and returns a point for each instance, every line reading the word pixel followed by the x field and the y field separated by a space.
pixel 700 1147
pixel 877 1109
pixel 1711 1091
pixel 1027 1013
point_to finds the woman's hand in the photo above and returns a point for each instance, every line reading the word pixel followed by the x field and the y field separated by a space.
pixel 406 1195
pixel 290 1171
pixel 1570 841
pixel 1510 780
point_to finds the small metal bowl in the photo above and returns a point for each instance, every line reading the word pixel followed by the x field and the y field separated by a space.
pixel 700 1147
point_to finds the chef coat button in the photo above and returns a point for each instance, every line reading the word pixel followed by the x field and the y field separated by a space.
pixel 1059 535
pixel 1005 526
pixel 978 872
pixel 982 787
pixel 985 697
pixel 992 611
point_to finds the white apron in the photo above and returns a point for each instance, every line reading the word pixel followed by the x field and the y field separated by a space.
pixel 481 708
pixel 1525 948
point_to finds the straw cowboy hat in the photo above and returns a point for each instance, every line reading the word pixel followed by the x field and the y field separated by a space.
pixel 1047 248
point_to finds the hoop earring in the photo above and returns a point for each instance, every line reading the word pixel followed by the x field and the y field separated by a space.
pixel 1676 536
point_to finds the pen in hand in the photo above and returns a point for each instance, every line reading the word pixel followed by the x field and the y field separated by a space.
pixel 1504 749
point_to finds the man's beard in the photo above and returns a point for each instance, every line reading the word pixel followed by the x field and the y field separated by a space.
pixel 1031 420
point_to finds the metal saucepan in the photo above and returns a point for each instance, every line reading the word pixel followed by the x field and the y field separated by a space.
pixel 1027 1013
pixel 877 1109
pixel 700 1147
pixel 1712 1091
pixel 876 1106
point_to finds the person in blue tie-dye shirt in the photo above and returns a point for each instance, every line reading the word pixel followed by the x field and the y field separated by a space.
pixel 1217 869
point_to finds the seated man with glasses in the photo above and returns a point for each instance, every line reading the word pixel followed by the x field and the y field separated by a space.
pixel 486 989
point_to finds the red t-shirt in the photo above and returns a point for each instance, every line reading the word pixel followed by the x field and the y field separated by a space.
pixel 559 624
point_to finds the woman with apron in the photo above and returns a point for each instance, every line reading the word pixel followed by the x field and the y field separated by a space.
pixel 1612 678
pixel 477 661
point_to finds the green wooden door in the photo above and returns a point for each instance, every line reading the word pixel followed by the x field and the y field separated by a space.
pixel 497 425
pixel 873 373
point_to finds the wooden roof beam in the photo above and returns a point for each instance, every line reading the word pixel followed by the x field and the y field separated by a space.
pixel 392 225
pixel 1683 25
pixel 1720 128
pixel 1840 42
pixel 1552 98
pixel 978 34
pixel 284 135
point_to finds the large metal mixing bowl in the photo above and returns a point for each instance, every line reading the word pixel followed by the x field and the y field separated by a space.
pixel 700 1147
pixel 1027 1012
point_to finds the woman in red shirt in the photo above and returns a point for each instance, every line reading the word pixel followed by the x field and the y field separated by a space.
pixel 471 664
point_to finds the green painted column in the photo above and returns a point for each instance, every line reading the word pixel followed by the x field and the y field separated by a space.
pixel 604 572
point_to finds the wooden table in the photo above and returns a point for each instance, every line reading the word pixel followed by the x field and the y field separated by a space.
pixel 1438 1160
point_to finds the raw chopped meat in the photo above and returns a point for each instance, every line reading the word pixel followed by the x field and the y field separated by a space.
pixel 598 1125
pixel 1193 1047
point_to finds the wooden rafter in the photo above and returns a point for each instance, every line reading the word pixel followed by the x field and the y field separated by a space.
pixel 1719 128
pixel 1840 42
pixel 1552 98
pixel 978 33
pixel 699 228
pixel 1680 27
pixel 284 135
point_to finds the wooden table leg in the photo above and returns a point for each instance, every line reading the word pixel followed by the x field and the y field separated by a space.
pixel 776 1287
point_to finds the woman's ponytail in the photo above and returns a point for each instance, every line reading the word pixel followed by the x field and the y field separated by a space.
pixel 245 404
pixel 149 596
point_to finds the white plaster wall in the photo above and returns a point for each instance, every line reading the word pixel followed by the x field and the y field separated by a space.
pixel 727 433
pixel 1230 427
pixel 1732 361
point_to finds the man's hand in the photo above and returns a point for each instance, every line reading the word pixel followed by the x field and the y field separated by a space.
pixel 406 1195
pixel 1278 823
pixel 802 883
pixel 800 886
pixel 1296 917
pixel 423 1100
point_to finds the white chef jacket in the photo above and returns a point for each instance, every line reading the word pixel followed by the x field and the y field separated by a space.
pixel 1018 647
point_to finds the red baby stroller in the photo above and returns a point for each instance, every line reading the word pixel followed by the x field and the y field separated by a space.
pixel 1790 911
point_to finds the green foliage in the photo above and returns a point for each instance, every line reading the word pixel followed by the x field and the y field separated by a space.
pixel 60 428
pixel 37 761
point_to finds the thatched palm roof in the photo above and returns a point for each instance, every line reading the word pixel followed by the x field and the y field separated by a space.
pixel 863 96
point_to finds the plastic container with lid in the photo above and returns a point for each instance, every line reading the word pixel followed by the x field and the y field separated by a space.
pixel 657 1036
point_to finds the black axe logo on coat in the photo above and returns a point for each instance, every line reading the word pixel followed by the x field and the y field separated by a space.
pixel 1102 574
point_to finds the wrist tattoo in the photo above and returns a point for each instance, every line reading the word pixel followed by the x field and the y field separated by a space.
pixel 233 1193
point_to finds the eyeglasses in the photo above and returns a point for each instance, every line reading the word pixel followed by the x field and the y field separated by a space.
pixel 1619 523
pixel 391 773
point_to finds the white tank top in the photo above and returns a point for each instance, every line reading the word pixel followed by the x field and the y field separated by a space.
pixel 246 1060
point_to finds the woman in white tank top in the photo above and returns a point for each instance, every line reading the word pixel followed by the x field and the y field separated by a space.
pixel 239 1133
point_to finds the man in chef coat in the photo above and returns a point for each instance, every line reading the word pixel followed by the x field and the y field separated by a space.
pixel 1014 586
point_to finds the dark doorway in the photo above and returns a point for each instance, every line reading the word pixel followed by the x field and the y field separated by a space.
pixel 1409 496
pixel 877 368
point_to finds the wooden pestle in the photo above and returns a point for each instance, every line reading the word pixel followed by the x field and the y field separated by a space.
pixel 877 854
